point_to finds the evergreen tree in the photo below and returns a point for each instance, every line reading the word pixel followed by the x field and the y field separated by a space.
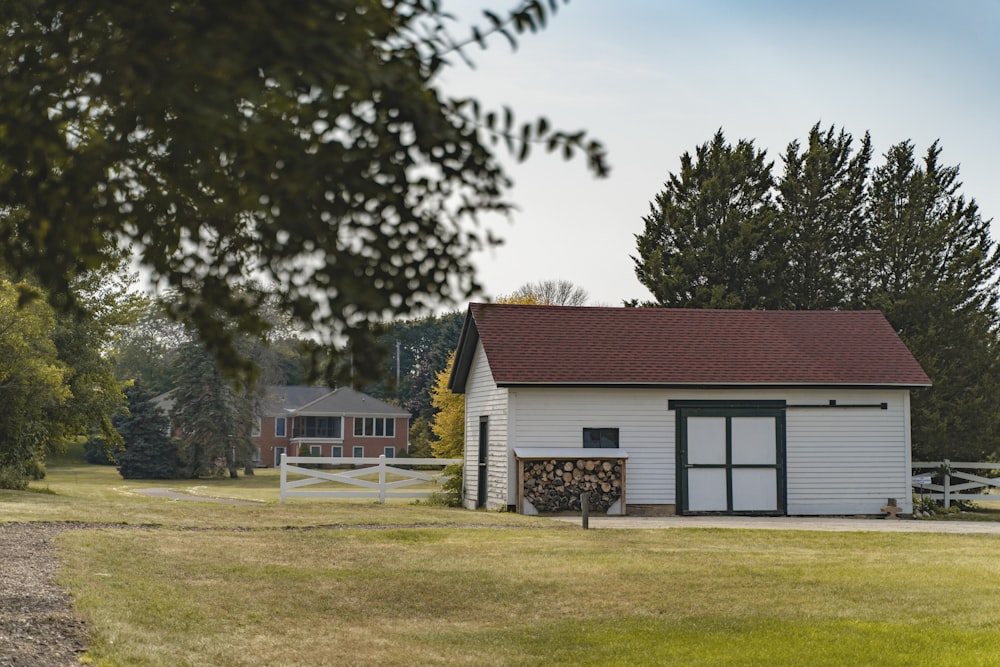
pixel 929 265
pixel 898 237
pixel 822 201
pixel 212 417
pixel 150 452
pixel 710 239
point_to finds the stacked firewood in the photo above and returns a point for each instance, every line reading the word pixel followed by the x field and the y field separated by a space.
pixel 555 485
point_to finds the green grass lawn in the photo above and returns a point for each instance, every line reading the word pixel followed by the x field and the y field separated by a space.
pixel 230 585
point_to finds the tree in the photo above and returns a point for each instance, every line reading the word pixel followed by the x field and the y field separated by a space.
pixel 312 149
pixel 553 292
pixel 449 420
pixel 150 452
pixel 929 264
pixel 898 237
pixel 420 347
pixel 822 199
pixel 147 350
pixel 84 341
pixel 709 239
pixel 33 385
pixel 212 417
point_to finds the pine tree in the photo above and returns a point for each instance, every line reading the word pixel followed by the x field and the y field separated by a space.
pixel 898 237
pixel 710 238
pixel 212 417
pixel 929 265
pixel 150 452
pixel 821 199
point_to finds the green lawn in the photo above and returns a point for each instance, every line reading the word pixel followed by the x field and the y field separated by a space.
pixel 521 591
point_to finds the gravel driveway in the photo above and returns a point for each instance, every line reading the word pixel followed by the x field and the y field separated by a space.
pixel 37 627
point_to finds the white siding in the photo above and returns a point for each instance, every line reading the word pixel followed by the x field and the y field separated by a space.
pixel 484 399
pixel 549 417
pixel 849 461
pixel 839 460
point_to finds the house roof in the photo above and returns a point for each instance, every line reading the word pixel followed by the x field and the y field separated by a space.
pixel 286 400
pixel 278 400
pixel 346 401
pixel 576 346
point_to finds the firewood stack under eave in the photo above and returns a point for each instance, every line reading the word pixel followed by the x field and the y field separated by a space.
pixel 556 485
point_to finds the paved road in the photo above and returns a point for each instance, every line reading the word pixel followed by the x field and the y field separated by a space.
pixel 791 523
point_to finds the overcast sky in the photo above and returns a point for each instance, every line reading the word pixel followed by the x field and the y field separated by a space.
pixel 655 78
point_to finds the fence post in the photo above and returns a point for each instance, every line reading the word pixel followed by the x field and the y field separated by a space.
pixel 284 477
pixel 947 483
pixel 381 479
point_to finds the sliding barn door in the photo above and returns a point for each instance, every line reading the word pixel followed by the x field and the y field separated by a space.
pixel 731 460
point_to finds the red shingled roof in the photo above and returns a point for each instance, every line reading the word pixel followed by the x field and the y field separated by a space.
pixel 665 346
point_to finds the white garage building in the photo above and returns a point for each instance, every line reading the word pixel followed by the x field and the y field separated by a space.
pixel 713 411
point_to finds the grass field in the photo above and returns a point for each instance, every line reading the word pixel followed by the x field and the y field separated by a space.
pixel 261 585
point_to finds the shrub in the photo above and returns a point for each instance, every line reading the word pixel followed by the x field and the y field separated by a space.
pixel 13 478
pixel 34 469
pixel 450 494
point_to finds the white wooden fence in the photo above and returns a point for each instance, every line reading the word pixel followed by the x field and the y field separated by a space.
pixel 946 473
pixel 380 489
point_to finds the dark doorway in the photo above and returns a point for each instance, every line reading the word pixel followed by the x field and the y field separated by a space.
pixel 482 470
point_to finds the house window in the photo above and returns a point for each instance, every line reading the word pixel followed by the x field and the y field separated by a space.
pixel 390 452
pixel 315 450
pixel 359 452
pixel 255 429
pixel 377 427
pixel 337 452
pixel 279 427
pixel 606 438
pixel 256 457
pixel 319 427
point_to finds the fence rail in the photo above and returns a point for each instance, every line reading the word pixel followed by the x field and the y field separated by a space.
pixel 946 472
pixel 382 489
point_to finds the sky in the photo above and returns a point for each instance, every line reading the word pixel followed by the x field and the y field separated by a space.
pixel 652 79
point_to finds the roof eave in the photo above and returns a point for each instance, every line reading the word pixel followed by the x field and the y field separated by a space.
pixel 715 385
pixel 467 342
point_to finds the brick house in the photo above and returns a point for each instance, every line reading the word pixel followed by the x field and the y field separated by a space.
pixel 338 422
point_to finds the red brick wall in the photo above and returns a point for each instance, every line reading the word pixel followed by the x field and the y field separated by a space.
pixel 373 445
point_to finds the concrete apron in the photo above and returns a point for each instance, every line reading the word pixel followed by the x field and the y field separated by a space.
pixel 789 523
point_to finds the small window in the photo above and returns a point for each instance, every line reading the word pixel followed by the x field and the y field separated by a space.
pixel 338 452
pixel 605 438
pixel 380 427
pixel 256 457
pixel 315 450
pixel 390 427
pixel 279 427
pixel 255 429
pixel 390 452
pixel 359 426
pixel 359 452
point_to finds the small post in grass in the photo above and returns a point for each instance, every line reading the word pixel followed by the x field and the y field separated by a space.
pixel 585 510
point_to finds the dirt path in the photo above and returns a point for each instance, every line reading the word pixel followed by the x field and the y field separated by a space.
pixel 37 626
pixel 170 494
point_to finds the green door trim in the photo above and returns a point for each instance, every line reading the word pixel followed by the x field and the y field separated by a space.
pixel 728 410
